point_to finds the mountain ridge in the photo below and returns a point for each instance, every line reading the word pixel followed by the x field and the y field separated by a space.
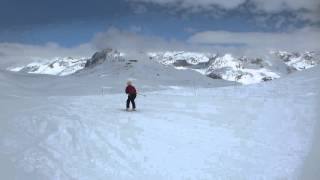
pixel 241 69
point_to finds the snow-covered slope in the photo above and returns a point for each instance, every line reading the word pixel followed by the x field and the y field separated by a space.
pixel 241 132
pixel 57 66
pixel 111 75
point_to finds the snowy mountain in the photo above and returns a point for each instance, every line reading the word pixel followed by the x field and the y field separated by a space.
pixel 298 61
pixel 67 66
pixel 57 66
pixel 227 67
pixel 100 57
pixel 239 69
pixel 181 58
pixel 243 70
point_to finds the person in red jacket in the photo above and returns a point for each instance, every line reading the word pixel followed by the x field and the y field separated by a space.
pixel 132 94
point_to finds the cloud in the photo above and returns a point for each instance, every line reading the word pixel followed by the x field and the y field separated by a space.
pixel 270 5
pixel 135 44
pixel 16 53
pixel 303 9
pixel 139 9
pixel 27 14
pixel 135 29
pixel 190 30
pixel 279 5
pixel 238 43
pixel 302 39
pixel 230 4
pixel 132 41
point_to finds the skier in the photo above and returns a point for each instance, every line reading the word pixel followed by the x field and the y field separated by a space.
pixel 132 94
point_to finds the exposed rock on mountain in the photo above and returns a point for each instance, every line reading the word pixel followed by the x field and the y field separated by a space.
pixel 104 55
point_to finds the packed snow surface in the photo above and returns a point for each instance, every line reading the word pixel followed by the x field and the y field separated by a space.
pixel 262 131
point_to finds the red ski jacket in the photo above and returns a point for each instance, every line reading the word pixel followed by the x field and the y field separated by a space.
pixel 131 90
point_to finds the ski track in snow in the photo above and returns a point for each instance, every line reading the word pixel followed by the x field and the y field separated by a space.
pixel 254 132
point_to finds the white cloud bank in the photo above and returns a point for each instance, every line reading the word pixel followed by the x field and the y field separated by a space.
pixel 302 39
pixel 132 41
pixel 305 9
pixel 135 44
pixel 266 5
pixel 16 53
pixel 213 41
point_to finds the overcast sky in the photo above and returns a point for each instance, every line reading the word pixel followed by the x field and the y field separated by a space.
pixel 79 27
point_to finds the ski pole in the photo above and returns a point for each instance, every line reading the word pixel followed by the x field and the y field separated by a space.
pixel 142 95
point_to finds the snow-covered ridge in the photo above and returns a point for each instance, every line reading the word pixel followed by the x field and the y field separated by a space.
pixel 174 56
pixel 103 56
pixel 58 66
pixel 240 69
pixel 68 65
pixel 227 67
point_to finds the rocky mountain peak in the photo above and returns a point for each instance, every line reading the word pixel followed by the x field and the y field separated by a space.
pixel 104 55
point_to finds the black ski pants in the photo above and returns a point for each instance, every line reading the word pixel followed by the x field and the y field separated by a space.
pixel 131 98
